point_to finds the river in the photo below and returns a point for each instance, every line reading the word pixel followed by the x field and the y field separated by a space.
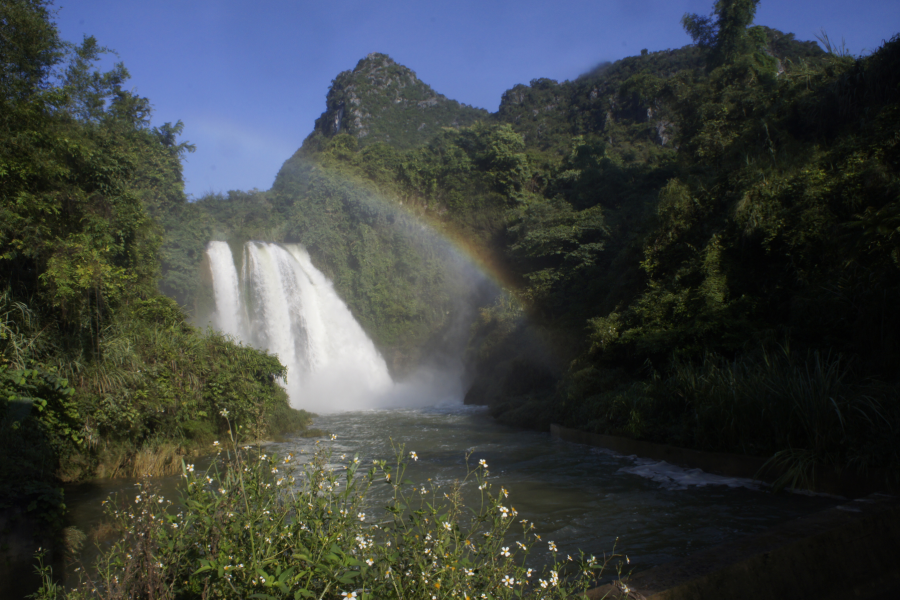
pixel 582 498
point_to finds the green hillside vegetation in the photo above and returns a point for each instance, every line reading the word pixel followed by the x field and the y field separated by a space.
pixel 701 244
pixel 100 374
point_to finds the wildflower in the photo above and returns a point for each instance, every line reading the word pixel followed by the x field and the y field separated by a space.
pixel 209 479
pixel 362 516
pixel 280 481
pixel 370 562
pixel 447 526
pixel 334 437
pixel 552 546
pixel 504 551
pixel 505 493
pixel 520 545
pixel 469 572
pixel 222 491
pixel 528 574
pixel 348 594
pixel 216 443
pixel 569 556
pixel 274 470
pixel 174 525
pixel 508 581
pixel 190 468
pixel 483 463
pixel 224 412
pixel 413 456
pixel 137 499
pixel 543 583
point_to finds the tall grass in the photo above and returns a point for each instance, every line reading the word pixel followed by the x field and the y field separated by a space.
pixel 805 411
pixel 801 409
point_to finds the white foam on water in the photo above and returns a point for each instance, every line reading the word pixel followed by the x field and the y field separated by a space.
pixel 673 477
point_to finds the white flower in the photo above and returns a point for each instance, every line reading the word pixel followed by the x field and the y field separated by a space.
pixel 469 572
pixel 190 468
pixel 543 583
pixel 520 545
pixel 224 412
pixel 137 499
pixel 508 581
pixel 274 470
pixel 505 493
pixel 174 525
pixel 447 526
pixel 483 463
pixel 362 516
pixel 348 594
pixel 552 546
pixel 370 562
pixel 504 551
pixel 528 574
pixel 413 456
pixel 216 443
pixel 334 437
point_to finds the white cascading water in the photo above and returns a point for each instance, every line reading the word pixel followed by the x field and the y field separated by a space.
pixel 282 303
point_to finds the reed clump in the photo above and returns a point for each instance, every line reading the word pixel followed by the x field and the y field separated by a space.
pixel 805 411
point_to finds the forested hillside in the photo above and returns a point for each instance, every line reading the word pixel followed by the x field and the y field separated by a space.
pixel 100 374
pixel 699 246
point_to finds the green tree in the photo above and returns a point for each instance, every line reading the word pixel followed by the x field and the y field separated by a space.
pixel 724 32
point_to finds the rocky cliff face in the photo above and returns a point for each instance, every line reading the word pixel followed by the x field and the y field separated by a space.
pixel 380 100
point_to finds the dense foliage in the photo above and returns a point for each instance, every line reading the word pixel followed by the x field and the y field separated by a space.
pixel 731 202
pixel 99 373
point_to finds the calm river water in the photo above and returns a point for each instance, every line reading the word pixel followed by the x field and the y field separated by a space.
pixel 578 496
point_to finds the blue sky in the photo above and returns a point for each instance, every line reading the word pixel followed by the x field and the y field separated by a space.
pixel 249 78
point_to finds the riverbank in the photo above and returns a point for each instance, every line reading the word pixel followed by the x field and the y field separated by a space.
pixel 847 484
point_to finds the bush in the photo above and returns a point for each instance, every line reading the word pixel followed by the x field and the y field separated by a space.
pixel 259 526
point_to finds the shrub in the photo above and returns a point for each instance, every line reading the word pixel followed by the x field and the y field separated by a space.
pixel 259 526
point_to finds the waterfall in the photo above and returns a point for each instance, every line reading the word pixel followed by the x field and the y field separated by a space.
pixel 226 291
pixel 282 303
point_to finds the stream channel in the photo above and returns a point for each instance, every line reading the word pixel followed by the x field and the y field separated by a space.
pixel 580 497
